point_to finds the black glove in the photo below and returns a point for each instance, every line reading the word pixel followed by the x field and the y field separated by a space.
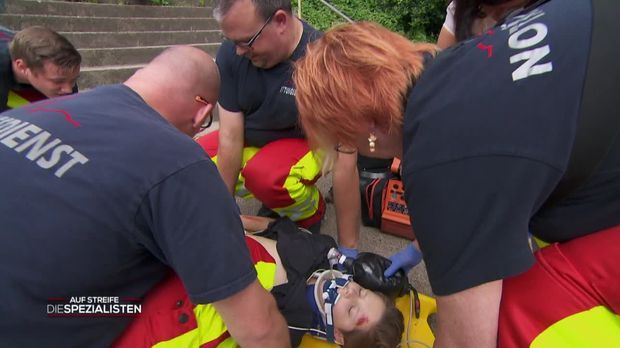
pixel 368 269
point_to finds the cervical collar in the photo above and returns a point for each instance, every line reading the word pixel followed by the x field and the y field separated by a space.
pixel 329 293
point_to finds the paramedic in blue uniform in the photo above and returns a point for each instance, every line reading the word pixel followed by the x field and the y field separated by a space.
pixel 105 192
pixel 485 131
pixel 36 63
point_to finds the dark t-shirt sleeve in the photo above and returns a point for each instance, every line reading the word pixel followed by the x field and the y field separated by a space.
pixel 196 229
pixel 228 88
pixel 470 217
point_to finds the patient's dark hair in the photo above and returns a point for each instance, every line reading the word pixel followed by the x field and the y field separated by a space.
pixel 386 334
pixel 467 11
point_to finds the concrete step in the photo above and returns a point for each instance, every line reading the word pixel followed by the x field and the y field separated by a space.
pixel 95 57
pixel 68 23
pixel 192 3
pixel 141 38
pixel 93 77
pixel 85 9
pixel 117 72
pixel 115 41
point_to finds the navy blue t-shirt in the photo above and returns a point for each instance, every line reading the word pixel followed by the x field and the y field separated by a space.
pixel 489 129
pixel 101 196
pixel 266 97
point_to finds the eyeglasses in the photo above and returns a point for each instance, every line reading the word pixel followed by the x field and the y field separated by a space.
pixel 250 42
pixel 343 149
pixel 207 123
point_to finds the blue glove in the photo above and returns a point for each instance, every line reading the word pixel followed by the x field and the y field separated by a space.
pixel 405 259
pixel 348 252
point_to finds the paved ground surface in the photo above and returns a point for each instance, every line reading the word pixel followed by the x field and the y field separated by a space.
pixel 371 239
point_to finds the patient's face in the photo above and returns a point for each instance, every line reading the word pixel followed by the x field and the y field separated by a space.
pixel 357 308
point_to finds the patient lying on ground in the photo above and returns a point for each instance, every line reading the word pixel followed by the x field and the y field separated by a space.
pixel 313 298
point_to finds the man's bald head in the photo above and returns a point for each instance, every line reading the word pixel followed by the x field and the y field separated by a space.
pixel 190 68
pixel 172 80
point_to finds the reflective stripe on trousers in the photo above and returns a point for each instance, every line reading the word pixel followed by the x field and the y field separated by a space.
pixel 569 298
pixel 14 101
pixel 170 320
pixel 281 174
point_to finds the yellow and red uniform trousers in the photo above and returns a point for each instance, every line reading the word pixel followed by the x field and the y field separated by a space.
pixel 569 298
pixel 281 174
pixel 169 319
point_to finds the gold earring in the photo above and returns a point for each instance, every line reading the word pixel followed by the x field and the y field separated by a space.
pixel 372 142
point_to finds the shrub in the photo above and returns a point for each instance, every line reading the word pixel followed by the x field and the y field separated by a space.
pixel 416 19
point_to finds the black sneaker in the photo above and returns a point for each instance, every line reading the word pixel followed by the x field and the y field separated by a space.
pixel 266 212
pixel 329 197
pixel 316 227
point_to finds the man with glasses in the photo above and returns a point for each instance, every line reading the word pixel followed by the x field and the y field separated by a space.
pixel 208 116
pixel 259 149
pixel 104 195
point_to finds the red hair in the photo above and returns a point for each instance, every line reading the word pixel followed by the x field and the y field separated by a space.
pixel 354 73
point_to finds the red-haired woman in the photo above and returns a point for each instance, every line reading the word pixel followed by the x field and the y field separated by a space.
pixel 485 132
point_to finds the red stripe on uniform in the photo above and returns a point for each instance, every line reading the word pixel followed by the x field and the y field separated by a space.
pixel 30 94
pixel 266 172
pixel 217 341
pixel 258 252
pixel 209 143
pixel 567 278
